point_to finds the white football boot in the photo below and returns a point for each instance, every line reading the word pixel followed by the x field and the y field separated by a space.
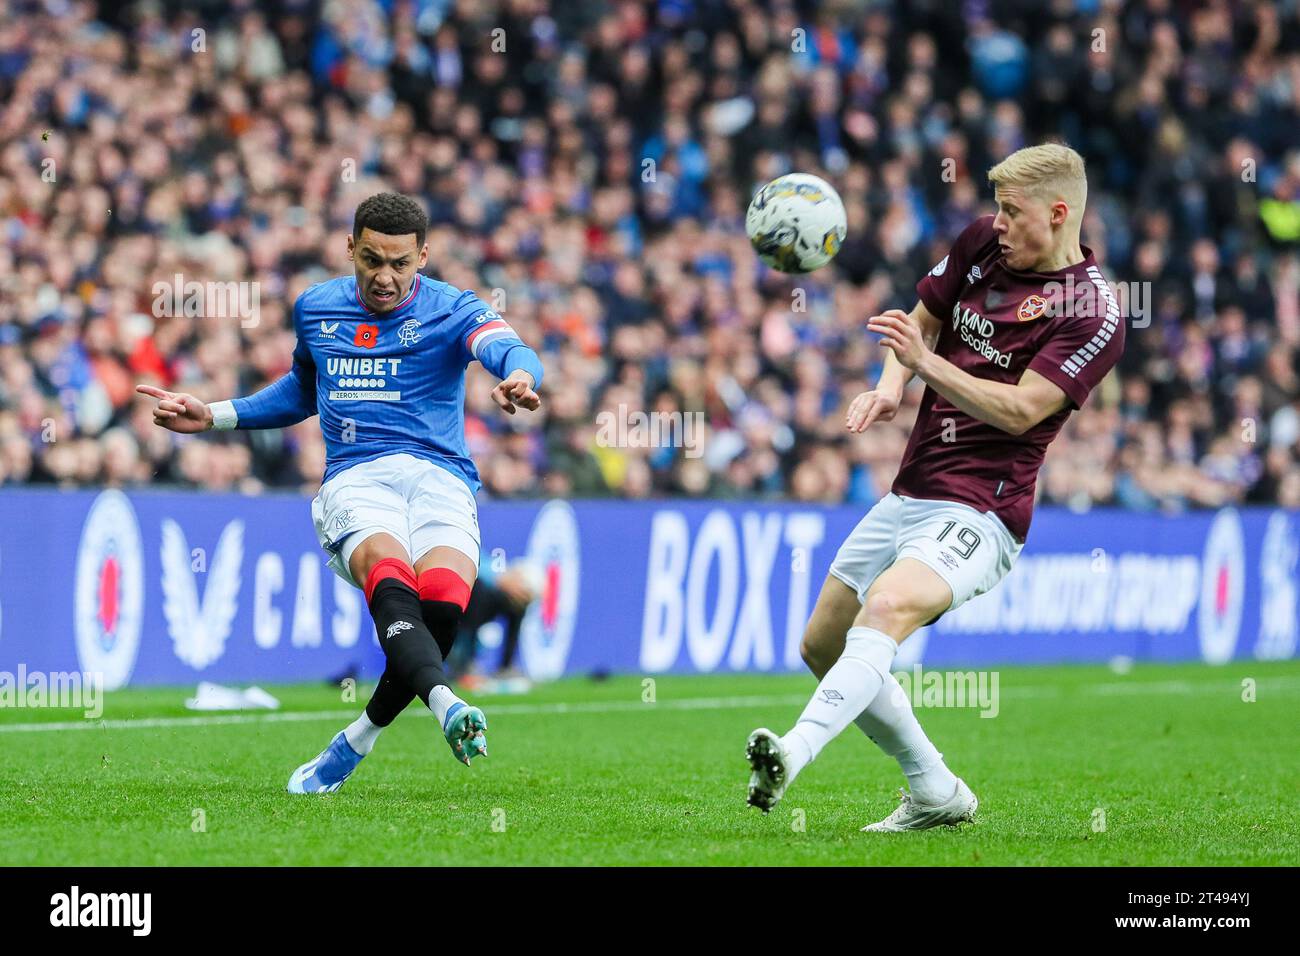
pixel 767 760
pixel 911 815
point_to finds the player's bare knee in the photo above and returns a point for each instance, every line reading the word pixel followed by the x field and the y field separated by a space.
pixel 823 638
pixel 822 644
pixel 894 613
pixel 373 549
pixel 881 606
pixel 812 655
pixel 806 651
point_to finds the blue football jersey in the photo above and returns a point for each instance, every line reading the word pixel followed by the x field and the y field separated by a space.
pixel 391 383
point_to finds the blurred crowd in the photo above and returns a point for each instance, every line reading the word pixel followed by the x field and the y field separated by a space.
pixel 586 166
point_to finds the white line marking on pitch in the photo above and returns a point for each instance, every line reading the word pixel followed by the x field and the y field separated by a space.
pixel 1283 684
pixel 276 717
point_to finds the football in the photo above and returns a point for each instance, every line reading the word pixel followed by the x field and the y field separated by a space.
pixel 796 223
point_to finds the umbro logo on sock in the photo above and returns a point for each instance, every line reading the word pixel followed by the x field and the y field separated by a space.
pixel 397 627
pixel 831 696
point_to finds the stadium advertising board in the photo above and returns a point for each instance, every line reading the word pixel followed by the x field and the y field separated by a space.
pixel 172 588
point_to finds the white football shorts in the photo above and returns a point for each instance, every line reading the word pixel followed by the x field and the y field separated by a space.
pixel 418 503
pixel 970 550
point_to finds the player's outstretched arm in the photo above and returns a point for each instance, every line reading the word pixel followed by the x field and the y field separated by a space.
pixel 286 401
pixel 881 403
pixel 516 389
pixel 1013 408
pixel 491 341
pixel 518 367
pixel 177 411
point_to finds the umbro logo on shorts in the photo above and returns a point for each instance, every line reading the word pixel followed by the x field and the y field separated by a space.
pixel 831 696
pixel 397 627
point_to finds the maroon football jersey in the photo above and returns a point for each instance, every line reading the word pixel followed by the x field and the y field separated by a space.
pixel 997 322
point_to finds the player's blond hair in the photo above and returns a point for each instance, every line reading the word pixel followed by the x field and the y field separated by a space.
pixel 1050 172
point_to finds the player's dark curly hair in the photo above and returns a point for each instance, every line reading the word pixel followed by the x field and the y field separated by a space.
pixel 392 214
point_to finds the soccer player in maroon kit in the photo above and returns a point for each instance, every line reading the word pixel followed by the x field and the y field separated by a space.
pixel 1015 326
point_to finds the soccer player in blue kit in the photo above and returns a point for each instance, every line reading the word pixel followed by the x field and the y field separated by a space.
pixel 381 358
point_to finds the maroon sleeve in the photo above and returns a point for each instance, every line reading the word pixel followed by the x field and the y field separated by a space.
pixel 1078 356
pixel 942 285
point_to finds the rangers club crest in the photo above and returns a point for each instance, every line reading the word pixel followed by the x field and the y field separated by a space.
pixel 1223 587
pixel 409 333
pixel 1032 308
pixel 109 590
pixel 547 630
pixel 342 521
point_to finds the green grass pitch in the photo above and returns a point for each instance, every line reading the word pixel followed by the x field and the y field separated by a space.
pixel 1081 766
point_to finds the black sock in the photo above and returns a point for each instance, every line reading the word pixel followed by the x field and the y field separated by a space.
pixel 390 698
pixel 392 695
pixel 413 655
pixel 442 618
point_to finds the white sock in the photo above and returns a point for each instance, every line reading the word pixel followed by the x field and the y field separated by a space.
pixel 441 700
pixel 361 734
pixel 890 723
pixel 843 693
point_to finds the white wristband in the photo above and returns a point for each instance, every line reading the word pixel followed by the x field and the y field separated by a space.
pixel 223 416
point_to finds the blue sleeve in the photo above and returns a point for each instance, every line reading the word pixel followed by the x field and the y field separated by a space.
pixel 286 401
pixel 491 341
pixel 511 357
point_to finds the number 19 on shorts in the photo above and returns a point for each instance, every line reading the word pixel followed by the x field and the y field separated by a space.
pixel 965 541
